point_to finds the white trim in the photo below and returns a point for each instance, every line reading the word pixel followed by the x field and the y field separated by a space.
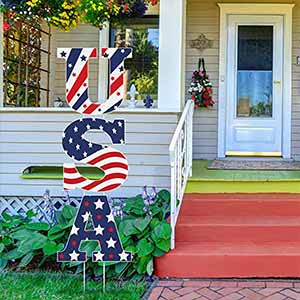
pixel 171 75
pixel 256 9
pixel 70 110
pixel 1 62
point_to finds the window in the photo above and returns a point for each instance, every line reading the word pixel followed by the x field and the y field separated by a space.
pixel 26 64
pixel 142 70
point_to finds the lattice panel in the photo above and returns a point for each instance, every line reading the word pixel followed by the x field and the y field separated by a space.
pixel 20 205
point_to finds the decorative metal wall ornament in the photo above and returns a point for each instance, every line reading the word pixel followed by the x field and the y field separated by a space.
pixel 201 43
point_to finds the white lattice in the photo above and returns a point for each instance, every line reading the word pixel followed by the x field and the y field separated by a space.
pixel 20 205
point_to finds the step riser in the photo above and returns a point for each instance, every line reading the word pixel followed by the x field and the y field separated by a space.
pixel 186 266
pixel 235 234
pixel 244 208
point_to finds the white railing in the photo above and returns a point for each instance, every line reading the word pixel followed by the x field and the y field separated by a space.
pixel 181 159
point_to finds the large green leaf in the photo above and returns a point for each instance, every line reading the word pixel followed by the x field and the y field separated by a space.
pixel 164 195
pixel 144 248
pixel 6 241
pixel 39 226
pixel 135 206
pixel 26 260
pixel 142 264
pixel 124 239
pixel 57 228
pixel 120 267
pixel 3 263
pixel 13 254
pixel 30 213
pixel 127 227
pixel 163 245
pixel 150 267
pixel 89 247
pixel 37 241
pixel 158 252
pixel 142 223
pixel 56 236
pixel 69 211
pixel 6 216
pixel 2 247
pixel 162 231
pixel 51 248
pixel 22 234
pixel 11 224
pixel 131 249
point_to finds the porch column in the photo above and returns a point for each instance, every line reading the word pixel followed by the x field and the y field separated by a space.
pixel 171 79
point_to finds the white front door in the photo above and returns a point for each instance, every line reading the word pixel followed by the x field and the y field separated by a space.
pixel 254 85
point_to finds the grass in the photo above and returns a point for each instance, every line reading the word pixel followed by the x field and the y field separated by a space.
pixel 45 286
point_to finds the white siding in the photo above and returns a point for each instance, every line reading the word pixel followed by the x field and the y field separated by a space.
pixel 203 17
pixel 29 138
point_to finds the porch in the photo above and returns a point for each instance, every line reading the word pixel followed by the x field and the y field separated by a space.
pixel 206 180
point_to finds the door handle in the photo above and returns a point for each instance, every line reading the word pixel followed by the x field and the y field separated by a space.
pixel 277 81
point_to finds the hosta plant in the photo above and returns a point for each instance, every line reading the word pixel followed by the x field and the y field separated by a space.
pixel 143 229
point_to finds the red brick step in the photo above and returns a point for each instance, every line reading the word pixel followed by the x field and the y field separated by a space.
pixel 238 229
pixel 228 260
pixel 241 205
pixel 235 235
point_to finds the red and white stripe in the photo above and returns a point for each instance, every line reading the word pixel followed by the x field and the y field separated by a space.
pixel 110 160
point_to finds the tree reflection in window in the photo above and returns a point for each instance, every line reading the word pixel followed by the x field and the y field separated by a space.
pixel 142 70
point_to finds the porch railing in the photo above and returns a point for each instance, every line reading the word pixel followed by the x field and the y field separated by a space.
pixel 181 152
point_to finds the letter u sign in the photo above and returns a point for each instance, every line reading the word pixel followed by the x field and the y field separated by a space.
pixel 77 86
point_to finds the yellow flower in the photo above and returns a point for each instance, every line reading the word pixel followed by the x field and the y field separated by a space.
pixel 33 3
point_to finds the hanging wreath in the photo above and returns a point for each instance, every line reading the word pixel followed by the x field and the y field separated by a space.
pixel 201 87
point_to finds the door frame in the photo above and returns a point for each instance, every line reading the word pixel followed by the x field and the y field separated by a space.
pixel 284 10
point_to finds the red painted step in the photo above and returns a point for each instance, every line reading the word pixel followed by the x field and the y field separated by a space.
pixel 241 205
pixel 237 229
pixel 235 235
pixel 228 260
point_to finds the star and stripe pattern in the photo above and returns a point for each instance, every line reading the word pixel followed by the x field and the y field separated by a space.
pixel 77 86
pixel 94 210
pixel 113 162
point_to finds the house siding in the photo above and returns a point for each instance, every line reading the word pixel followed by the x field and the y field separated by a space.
pixel 34 138
pixel 203 17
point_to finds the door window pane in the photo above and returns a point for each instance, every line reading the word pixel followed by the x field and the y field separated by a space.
pixel 255 71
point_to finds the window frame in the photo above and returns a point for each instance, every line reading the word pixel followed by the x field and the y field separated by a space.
pixel 103 78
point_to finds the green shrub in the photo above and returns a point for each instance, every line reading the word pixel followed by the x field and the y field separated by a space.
pixel 143 229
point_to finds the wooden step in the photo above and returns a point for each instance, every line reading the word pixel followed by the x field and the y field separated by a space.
pixel 241 205
pixel 228 260
pixel 235 235
pixel 237 229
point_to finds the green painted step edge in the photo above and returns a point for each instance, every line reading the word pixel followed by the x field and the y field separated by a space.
pixel 55 172
pixel 202 174
pixel 243 187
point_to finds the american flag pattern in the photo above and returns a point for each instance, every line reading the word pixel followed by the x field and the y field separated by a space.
pixel 77 94
pixel 94 210
pixel 108 159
